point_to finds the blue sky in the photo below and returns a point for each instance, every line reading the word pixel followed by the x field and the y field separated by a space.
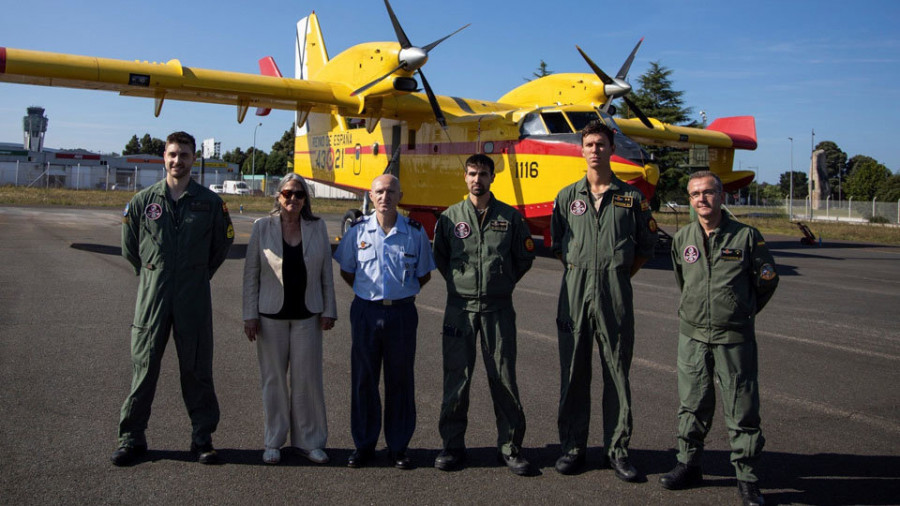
pixel 795 65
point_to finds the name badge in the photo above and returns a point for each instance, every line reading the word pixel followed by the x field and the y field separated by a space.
pixel 731 254
pixel 499 225
pixel 200 206
pixel 623 200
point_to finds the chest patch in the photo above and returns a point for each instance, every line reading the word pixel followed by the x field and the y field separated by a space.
pixel 200 206
pixel 578 207
pixel 623 200
pixel 499 225
pixel 731 254
pixel 364 244
pixel 462 230
pixel 153 211
pixel 691 254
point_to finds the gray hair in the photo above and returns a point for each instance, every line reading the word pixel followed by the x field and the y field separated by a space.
pixel 706 173
pixel 306 210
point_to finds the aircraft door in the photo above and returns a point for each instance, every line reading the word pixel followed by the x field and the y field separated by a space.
pixel 357 162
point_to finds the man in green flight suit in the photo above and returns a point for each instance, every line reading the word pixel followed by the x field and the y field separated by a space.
pixel 482 248
pixel 603 232
pixel 726 276
pixel 175 234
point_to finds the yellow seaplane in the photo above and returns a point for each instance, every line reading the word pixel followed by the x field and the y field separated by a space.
pixel 361 114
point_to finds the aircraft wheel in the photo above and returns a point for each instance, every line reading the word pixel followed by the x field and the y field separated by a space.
pixel 349 217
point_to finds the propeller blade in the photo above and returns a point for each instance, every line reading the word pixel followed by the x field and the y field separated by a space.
pixel 431 46
pixel 376 81
pixel 602 75
pixel 438 114
pixel 623 72
pixel 401 35
pixel 637 111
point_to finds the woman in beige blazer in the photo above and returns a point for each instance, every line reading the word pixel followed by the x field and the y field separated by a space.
pixel 288 302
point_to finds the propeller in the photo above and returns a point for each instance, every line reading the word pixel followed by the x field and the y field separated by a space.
pixel 618 87
pixel 412 58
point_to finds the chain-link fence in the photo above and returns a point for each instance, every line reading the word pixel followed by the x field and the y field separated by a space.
pixel 851 210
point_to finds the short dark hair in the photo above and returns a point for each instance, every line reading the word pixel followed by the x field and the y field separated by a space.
pixel 706 173
pixel 481 161
pixel 182 138
pixel 598 127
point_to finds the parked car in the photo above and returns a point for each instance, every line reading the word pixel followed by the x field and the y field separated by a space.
pixel 217 188
pixel 236 188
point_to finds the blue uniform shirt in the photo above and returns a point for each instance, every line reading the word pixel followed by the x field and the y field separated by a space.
pixel 386 266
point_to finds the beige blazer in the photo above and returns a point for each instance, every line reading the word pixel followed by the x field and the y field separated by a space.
pixel 263 283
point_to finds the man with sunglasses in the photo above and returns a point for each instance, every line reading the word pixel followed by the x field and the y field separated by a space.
pixel 726 276
pixel 386 258
pixel 175 234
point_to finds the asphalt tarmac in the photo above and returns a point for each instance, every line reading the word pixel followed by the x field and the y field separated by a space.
pixel 829 350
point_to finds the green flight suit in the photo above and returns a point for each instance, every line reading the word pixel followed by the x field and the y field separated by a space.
pixel 481 257
pixel 595 302
pixel 175 248
pixel 725 280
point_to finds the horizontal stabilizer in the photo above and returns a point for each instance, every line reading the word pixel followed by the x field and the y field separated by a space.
pixel 741 130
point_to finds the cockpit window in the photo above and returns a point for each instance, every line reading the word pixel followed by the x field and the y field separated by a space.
pixel 630 150
pixel 580 119
pixel 556 123
pixel 532 125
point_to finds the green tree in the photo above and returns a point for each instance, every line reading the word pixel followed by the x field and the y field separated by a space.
pixel 866 177
pixel 836 165
pixel 258 160
pixel 133 146
pixel 542 70
pixel 657 98
pixel 285 145
pixel 890 190
pixel 770 193
pixel 276 163
pixel 236 156
pixel 801 184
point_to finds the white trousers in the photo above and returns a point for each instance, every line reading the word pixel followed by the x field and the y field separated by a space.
pixel 295 346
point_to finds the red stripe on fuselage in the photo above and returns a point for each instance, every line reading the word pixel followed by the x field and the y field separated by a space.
pixel 2 60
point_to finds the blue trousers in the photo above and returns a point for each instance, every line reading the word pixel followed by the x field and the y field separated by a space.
pixel 383 334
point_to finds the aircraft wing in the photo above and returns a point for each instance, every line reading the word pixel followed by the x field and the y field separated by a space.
pixel 737 132
pixel 171 80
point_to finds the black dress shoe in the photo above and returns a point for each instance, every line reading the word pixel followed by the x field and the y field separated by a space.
pixel 206 454
pixel 359 458
pixel 570 463
pixel 516 463
pixel 623 468
pixel 401 460
pixel 682 476
pixel 750 493
pixel 128 455
pixel 450 459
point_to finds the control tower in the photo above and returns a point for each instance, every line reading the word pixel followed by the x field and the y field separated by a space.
pixel 35 126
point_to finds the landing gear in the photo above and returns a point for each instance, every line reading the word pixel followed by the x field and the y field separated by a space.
pixel 348 219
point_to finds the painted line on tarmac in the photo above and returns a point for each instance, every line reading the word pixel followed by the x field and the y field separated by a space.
pixel 832 346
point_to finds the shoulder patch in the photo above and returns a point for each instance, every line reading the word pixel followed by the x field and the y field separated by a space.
pixel 651 224
pixel 529 244
pixel 645 206
pixel 767 272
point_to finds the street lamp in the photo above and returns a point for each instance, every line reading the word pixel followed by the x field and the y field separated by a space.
pixel 253 159
pixel 791 199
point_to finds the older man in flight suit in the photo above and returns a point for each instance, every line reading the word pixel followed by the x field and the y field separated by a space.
pixel 482 247
pixel 603 232
pixel 175 234
pixel 726 276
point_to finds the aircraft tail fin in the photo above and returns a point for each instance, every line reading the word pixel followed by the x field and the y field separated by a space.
pixel 310 56
pixel 741 129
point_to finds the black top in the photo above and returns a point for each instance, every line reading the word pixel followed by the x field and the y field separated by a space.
pixel 293 273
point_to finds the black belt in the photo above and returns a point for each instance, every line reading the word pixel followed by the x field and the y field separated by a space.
pixel 391 302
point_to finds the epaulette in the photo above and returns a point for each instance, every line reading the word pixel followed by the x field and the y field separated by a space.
pixel 359 220
pixel 414 224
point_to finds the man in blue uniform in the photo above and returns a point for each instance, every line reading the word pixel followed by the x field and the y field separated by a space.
pixel 387 259
pixel 175 234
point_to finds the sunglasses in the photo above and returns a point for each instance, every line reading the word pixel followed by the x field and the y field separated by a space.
pixel 287 194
